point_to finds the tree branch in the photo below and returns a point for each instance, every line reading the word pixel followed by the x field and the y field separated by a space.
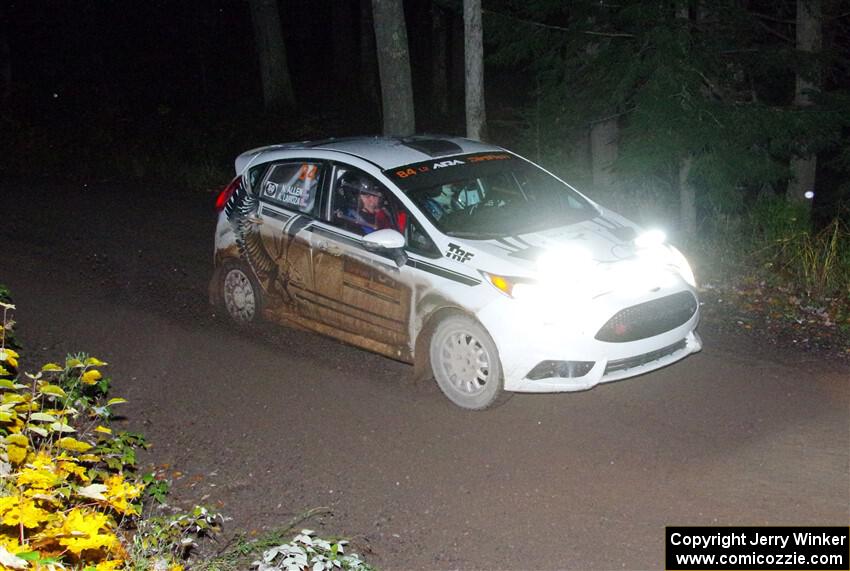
pixel 608 34
pixel 779 35
pixel 773 18
pixel 559 28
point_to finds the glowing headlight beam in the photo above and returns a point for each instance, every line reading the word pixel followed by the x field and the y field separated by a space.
pixel 651 238
pixel 562 264
pixel 684 267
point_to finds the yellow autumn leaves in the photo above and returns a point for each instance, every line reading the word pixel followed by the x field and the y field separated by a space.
pixel 57 496
pixel 9 356
pixel 19 510
pixel 69 496
pixel 84 530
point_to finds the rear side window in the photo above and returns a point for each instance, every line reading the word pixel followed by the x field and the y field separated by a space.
pixel 254 176
pixel 294 186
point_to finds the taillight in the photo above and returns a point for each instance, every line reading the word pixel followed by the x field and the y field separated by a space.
pixel 225 194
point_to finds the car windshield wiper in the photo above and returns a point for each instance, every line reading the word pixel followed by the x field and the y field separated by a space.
pixel 474 235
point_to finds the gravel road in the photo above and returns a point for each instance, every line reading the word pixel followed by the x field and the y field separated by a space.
pixel 270 422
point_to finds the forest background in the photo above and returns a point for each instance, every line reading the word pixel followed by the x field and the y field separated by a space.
pixel 724 122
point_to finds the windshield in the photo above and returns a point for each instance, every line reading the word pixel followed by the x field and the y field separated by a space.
pixel 490 196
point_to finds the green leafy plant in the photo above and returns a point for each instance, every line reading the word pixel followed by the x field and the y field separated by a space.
pixel 156 488
pixel 306 551
pixel 286 549
pixel 169 538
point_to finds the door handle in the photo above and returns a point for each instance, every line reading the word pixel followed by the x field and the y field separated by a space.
pixel 254 219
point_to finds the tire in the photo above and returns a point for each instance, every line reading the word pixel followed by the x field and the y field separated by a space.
pixel 241 296
pixel 466 364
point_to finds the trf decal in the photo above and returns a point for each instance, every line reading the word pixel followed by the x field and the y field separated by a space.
pixel 457 253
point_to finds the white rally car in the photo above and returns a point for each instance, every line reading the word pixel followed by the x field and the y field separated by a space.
pixel 474 264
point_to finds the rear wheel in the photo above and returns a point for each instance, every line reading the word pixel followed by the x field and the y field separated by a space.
pixel 240 294
pixel 466 364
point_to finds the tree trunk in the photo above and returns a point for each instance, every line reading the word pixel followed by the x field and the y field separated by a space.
pixel 603 152
pixel 343 45
pixel 439 63
pixel 457 76
pixel 687 192
pixel 394 67
pixel 476 117
pixel 368 76
pixel 278 94
pixel 687 200
pixel 809 41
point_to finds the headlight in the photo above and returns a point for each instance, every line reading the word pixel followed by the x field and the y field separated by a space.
pixel 564 264
pixel 683 266
pixel 515 287
pixel 558 269
pixel 653 249
pixel 651 238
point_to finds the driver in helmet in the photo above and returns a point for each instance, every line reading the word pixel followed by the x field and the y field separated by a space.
pixel 369 213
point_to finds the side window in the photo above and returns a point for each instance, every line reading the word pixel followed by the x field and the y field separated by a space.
pixel 361 204
pixel 254 175
pixel 419 242
pixel 293 185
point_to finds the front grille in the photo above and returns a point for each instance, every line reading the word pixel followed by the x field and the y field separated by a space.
pixel 632 362
pixel 649 319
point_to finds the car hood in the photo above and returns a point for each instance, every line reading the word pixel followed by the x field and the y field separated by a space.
pixel 592 258
pixel 604 239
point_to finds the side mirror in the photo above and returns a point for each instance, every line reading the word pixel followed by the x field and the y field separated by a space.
pixel 387 240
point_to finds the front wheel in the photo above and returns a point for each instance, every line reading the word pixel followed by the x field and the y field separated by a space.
pixel 240 294
pixel 466 364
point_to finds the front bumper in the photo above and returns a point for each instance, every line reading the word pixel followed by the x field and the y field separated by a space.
pixel 605 371
pixel 526 339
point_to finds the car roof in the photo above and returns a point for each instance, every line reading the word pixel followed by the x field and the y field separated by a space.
pixel 384 152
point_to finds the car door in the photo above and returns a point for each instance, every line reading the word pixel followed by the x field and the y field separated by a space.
pixel 289 197
pixel 366 296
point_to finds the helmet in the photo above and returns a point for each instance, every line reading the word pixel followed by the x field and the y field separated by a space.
pixel 356 184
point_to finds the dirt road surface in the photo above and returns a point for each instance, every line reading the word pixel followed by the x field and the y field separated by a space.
pixel 272 422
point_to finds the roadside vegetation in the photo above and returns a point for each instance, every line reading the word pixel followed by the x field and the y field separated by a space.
pixel 71 496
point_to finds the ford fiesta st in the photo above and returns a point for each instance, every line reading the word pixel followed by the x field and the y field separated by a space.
pixel 472 263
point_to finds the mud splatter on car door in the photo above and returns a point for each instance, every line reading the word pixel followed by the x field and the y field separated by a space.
pixel 363 293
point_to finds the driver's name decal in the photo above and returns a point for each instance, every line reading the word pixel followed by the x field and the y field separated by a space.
pixel 457 253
